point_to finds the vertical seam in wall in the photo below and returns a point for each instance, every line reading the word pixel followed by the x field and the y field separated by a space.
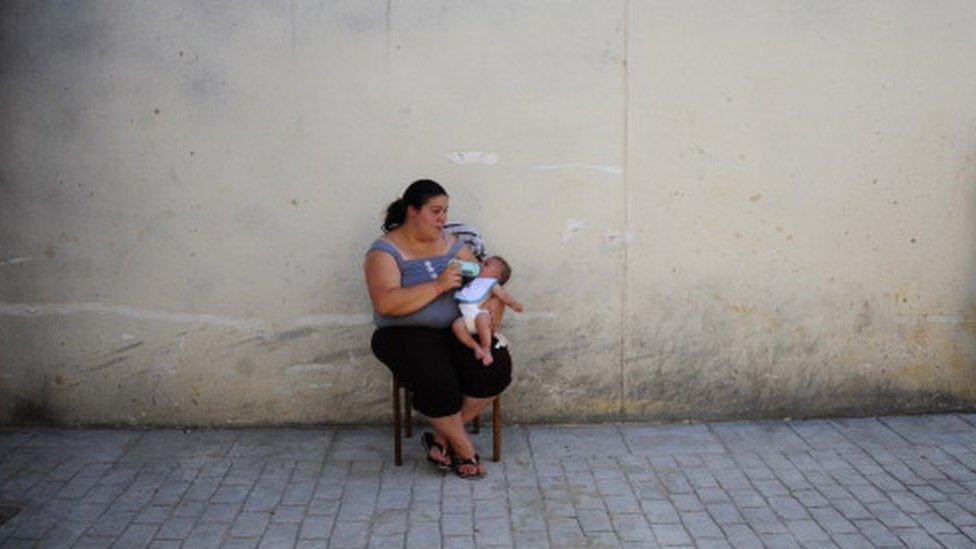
pixel 624 239
pixel 291 8
pixel 389 17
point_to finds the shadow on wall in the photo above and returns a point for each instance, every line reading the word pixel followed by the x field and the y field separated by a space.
pixel 965 338
pixel 36 408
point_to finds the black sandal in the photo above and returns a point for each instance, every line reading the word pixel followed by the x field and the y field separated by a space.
pixel 458 462
pixel 428 441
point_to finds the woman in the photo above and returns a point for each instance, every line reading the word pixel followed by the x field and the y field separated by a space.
pixel 410 280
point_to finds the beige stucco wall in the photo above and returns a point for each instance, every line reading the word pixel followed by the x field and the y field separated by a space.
pixel 764 209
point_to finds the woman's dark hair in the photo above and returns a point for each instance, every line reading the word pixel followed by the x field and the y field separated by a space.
pixel 416 195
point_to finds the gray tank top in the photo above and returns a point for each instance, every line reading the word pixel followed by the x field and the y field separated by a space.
pixel 436 314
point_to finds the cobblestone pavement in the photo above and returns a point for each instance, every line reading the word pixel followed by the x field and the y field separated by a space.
pixel 891 481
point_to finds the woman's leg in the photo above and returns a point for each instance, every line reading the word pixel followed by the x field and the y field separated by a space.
pixel 472 407
pixel 480 384
pixel 450 435
pixel 451 429
pixel 421 358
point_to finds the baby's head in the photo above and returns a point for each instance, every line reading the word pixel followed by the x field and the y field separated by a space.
pixel 495 266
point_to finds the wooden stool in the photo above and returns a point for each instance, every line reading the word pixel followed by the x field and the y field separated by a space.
pixel 407 422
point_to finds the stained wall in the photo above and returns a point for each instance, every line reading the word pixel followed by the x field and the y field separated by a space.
pixel 714 211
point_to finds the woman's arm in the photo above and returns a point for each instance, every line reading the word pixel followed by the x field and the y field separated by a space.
pixel 391 299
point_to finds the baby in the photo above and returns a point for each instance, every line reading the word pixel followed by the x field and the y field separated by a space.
pixel 476 320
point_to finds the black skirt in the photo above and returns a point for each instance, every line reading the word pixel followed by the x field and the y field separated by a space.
pixel 439 369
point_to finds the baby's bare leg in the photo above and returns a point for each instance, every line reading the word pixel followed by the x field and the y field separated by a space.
pixel 483 323
pixel 497 310
pixel 461 332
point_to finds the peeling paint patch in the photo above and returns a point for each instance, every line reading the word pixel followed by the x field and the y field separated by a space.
pixel 334 320
pixel 297 333
pixel 311 367
pixel 304 323
pixel 62 309
pixel 14 260
pixel 612 170
pixel 349 356
pixel 474 157
pixel 945 319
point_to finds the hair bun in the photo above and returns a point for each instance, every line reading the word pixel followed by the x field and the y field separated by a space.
pixel 416 195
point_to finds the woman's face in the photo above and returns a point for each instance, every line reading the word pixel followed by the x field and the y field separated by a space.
pixel 431 217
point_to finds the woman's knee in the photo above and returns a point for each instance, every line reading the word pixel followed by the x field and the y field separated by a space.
pixel 489 382
pixel 500 373
pixel 378 345
pixel 422 360
pixel 438 405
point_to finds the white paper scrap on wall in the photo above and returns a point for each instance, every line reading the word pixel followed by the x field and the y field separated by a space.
pixel 474 157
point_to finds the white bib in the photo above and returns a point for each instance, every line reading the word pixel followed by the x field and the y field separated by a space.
pixel 475 291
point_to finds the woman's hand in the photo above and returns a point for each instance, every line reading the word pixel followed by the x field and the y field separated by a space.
pixel 449 278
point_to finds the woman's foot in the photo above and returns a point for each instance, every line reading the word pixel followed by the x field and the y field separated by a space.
pixel 437 452
pixel 468 468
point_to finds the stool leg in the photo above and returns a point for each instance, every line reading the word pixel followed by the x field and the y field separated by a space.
pixel 496 429
pixel 397 457
pixel 408 412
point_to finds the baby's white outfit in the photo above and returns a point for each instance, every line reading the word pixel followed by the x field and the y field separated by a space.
pixel 471 297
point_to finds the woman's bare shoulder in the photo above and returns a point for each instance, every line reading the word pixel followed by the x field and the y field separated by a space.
pixel 380 265
pixel 388 243
pixel 380 255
